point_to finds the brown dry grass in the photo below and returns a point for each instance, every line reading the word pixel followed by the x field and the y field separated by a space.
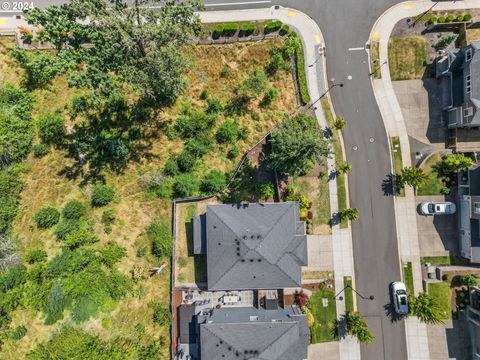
pixel 473 34
pixel 407 57
pixel 9 73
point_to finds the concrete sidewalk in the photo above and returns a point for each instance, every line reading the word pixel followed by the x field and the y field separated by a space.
pixel 405 208
pixel 312 40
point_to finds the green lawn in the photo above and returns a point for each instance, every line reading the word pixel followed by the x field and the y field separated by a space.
pixel 442 293
pixel 337 148
pixel 433 184
pixel 323 329
pixel 407 57
pixel 347 280
pixel 397 159
pixel 317 192
pixel 408 276
pixel 437 260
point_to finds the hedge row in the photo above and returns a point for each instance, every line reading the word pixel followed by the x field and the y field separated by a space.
pixel 449 18
pixel 230 29
pixel 272 26
pixel 302 75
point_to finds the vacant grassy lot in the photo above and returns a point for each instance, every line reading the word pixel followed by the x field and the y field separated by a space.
pixel 407 57
pixel 135 207
pixel 338 150
pixel 323 329
pixel 433 184
pixel 442 293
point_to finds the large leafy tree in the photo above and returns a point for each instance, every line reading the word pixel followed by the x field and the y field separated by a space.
pixel 297 145
pixel 426 308
pixel 455 162
pixel 137 44
pixel 358 327
pixel 411 176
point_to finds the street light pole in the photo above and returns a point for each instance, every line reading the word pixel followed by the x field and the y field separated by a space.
pixel 425 13
pixel 325 93
pixel 371 297
pixel 373 72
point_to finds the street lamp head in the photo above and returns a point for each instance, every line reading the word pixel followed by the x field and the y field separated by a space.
pixel 371 297
pixel 341 85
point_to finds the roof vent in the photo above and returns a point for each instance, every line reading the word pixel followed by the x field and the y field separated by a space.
pixel 259 236
pixel 244 237
pixel 259 260
pixel 252 237
pixel 238 254
pixel 243 260
pixel 251 260
pixel 219 243
pixel 238 249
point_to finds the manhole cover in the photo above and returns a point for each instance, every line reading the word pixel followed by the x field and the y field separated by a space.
pixel 355 147
pixel 371 140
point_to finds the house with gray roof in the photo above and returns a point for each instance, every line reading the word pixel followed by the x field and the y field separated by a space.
pixel 459 74
pixel 251 246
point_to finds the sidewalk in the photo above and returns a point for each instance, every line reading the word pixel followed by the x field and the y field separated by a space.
pixel 312 40
pixel 405 211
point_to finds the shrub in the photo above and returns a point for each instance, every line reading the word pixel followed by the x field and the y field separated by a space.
pixel 302 75
pixel 79 237
pixel 18 333
pixel 108 216
pixel 214 106
pixel 40 150
pixel 247 29
pixel 192 124
pixel 233 152
pixel 199 146
pixel 186 161
pixel 468 280
pixel 185 185
pixel 460 18
pixel 160 235
pixel 467 17
pixel 46 217
pixel 265 190
pixel 227 132
pixel 213 182
pixel 432 20
pixel 161 313
pixel 35 255
pixel 285 29
pixel 218 31
pixel 450 18
pixel 441 19
pixel 171 167
pixel 276 62
pixel 51 127
pixel 226 71
pixel 102 195
pixel 74 209
pixel 339 123
pixel 65 227
pixel 269 96
pixel 272 25
pixel 255 83
pixel 230 29
pixel 112 253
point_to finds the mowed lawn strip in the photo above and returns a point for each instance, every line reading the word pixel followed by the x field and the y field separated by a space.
pixel 323 329
pixel 407 57
pixel 442 293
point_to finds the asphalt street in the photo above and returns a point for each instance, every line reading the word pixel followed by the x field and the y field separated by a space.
pixel 346 25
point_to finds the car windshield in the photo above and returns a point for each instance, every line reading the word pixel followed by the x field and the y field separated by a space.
pixel 403 300
pixel 401 292
pixel 431 208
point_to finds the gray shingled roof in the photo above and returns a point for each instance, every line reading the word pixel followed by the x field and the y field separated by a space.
pixel 255 246
pixel 264 339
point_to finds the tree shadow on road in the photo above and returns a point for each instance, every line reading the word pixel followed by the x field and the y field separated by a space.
pixel 389 186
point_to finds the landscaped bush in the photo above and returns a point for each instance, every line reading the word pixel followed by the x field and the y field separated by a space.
pixel 227 133
pixel 450 18
pixel 432 20
pixel 74 209
pixel 102 195
pixel 160 235
pixel 51 127
pixel 272 25
pixel 40 150
pixel 441 19
pixel 467 17
pixel 247 29
pixel 218 31
pixel 284 30
pixel 265 190
pixel 460 17
pixel 468 280
pixel 35 255
pixel 230 29
pixel 161 313
pixel 302 74
pixel 185 185
pixel 213 182
pixel 46 217
pixel 171 167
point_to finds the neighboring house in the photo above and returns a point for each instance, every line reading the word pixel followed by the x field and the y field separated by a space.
pixel 252 252
pixel 473 317
pixel 252 246
pixel 459 74
pixel 469 214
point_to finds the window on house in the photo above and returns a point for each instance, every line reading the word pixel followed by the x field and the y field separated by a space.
pixel 468 55
pixel 476 208
pixel 468 112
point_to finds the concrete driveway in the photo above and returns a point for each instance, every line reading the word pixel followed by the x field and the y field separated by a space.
pixel 437 234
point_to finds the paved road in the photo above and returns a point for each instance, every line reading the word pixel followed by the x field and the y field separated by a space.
pixel 346 24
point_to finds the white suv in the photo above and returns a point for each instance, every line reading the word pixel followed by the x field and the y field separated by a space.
pixel 399 295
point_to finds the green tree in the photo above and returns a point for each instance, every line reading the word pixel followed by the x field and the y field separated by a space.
pixel 297 145
pixel 255 83
pixel 130 42
pixel 426 308
pixel 102 195
pixel 411 176
pixel 456 162
pixel 349 214
pixel 358 327
pixel 228 132
pixel 35 255
pixel 339 123
pixel 469 280
pixel 185 185
pixel 213 182
pixel 74 209
pixel 51 127
pixel 265 190
pixel 46 217
pixel 344 168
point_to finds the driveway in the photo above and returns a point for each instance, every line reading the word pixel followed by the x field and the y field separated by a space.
pixel 437 234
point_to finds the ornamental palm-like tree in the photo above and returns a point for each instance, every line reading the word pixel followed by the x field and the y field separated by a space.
pixel 411 176
pixel 357 326
pixel 349 214
pixel 426 308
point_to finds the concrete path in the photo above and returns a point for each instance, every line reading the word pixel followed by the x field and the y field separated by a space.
pixel 312 40
pixel 405 207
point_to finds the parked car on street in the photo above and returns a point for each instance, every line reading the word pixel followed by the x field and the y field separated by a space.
pixel 399 295
pixel 437 208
